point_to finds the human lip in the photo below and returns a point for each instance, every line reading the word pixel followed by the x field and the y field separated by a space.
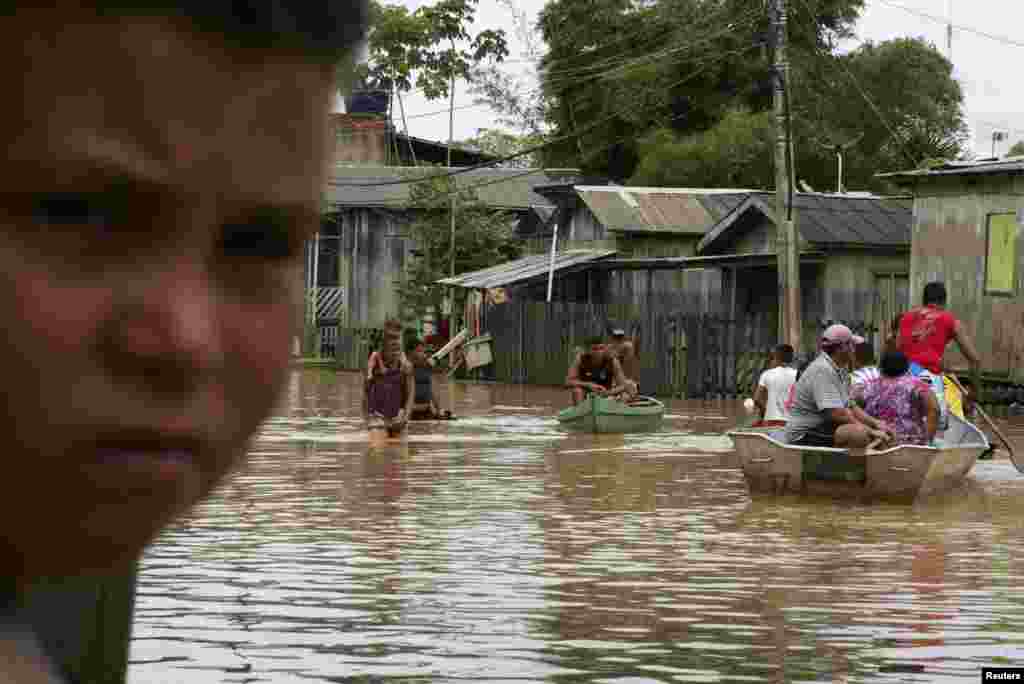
pixel 145 457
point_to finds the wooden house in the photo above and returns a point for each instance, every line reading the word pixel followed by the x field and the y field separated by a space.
pixel 711 250
pixel 968 218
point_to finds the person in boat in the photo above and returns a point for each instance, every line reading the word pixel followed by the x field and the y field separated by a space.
pixel 773 388
pixel 596 371
pixel 624 349
pixel 390 386
pixel 865 369
pixel 821 413
pixel 425 406
pixel 163 168
pixel 901 401
pixel 924 334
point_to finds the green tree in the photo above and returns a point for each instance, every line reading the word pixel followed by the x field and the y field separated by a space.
pixel 736 153
pixel 618 70
pixel 485 238
pixel 1017 150
pixel 427 48
pixel 503 144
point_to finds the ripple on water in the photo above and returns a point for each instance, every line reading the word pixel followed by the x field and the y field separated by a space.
pixel 497 548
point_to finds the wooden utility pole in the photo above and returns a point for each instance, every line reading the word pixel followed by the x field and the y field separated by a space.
pixel 454 187
pixel 787 242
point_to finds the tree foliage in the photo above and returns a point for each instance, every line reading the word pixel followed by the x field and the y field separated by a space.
pixel 424 48
pixel 501 143
pixel 1017 150
pixel 630 85
pixel 484 238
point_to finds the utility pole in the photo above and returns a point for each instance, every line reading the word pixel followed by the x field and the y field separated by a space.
pixel 453 189
pixel 787 242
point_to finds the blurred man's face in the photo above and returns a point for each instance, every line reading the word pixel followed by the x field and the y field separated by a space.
pixel 598 352
pixel 157 192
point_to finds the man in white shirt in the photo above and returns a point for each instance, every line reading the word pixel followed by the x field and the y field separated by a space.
pixel 865 369
pixel 773 388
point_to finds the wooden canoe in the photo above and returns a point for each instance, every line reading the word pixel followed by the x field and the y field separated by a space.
pixel 905 471
pixel 604 415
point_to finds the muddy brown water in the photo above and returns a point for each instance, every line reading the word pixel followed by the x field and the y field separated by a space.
pixel 497 548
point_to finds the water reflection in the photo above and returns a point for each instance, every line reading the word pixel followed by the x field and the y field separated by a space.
pixel 497 548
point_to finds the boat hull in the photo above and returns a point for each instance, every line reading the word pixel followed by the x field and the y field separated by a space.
pixel 610 416
pixel 906 471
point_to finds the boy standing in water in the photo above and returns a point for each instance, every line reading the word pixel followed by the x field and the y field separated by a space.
pixel 162 171
pixel 774 387
pixel 390 386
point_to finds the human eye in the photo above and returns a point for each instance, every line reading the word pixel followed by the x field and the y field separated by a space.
pixel 75 209
pixel 266 236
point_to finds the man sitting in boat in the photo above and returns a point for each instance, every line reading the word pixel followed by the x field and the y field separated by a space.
pixel 425 406
pixel 389 388
pixel 924 334
pixel 821 413
pixel 901 401
pixel 773 388
pixel 597 371
pixel 624 349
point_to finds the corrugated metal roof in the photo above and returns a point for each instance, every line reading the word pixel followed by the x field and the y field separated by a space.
pixel 830 219
pixel 524 269
pixel 652 210
pixel 499 188
pixel 982 166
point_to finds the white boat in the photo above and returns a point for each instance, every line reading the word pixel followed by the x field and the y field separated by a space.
pixel 904 471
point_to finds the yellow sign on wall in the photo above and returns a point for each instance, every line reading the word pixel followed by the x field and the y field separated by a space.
pixel 1001 254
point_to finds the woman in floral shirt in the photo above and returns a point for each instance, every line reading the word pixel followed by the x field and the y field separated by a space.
pixel 901 401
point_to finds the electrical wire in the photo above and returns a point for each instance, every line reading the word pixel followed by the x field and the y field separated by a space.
pixel 966 29
pixel 536 148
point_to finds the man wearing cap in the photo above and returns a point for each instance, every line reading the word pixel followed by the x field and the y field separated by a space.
pixel 624 350
pixel 821 413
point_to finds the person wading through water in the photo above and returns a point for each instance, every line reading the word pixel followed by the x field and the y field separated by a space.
pixel 390 385
pixel 425 406
pixel 597 371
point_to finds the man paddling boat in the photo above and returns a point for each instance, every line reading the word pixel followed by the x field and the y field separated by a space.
pixel 924 334
pixel 597 371
pixel 624 349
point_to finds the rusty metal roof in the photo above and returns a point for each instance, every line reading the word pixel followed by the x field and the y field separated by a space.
pixel 658 210
pixel 524 269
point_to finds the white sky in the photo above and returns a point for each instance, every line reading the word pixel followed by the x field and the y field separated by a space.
pixel 988 69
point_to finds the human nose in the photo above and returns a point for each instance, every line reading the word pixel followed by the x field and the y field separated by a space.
pixel 170 320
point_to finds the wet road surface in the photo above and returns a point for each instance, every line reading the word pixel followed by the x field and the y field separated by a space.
pixel 496 548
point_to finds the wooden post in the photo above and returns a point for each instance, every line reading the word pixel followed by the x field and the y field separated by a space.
pixel 787 242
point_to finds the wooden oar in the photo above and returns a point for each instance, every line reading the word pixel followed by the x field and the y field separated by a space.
pixel 991 424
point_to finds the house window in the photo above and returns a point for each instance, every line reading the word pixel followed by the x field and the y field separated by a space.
pixel 1001 254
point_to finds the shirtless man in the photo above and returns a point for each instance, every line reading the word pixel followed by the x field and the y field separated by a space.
pixel 597 371
pixel 623 349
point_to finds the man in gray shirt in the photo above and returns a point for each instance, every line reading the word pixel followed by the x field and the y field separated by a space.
pixel 822 414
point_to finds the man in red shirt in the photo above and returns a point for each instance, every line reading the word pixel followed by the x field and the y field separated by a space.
pixel 923 335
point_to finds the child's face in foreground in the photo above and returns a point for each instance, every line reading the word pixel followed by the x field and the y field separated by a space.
pixel 156 195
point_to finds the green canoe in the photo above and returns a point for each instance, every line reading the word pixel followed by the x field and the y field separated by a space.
pixel 600 414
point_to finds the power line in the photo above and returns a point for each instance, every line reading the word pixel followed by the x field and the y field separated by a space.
pixel 966 29
pixel 864 95
pixel 535 148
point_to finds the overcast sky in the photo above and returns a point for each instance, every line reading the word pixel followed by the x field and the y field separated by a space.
pixel 988 68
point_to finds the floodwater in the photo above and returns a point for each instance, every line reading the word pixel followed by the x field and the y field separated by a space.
pixel 498 549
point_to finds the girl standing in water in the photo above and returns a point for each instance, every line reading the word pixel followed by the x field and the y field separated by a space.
pixel 390 386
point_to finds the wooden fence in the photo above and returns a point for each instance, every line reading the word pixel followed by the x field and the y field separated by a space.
pixel 682 354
